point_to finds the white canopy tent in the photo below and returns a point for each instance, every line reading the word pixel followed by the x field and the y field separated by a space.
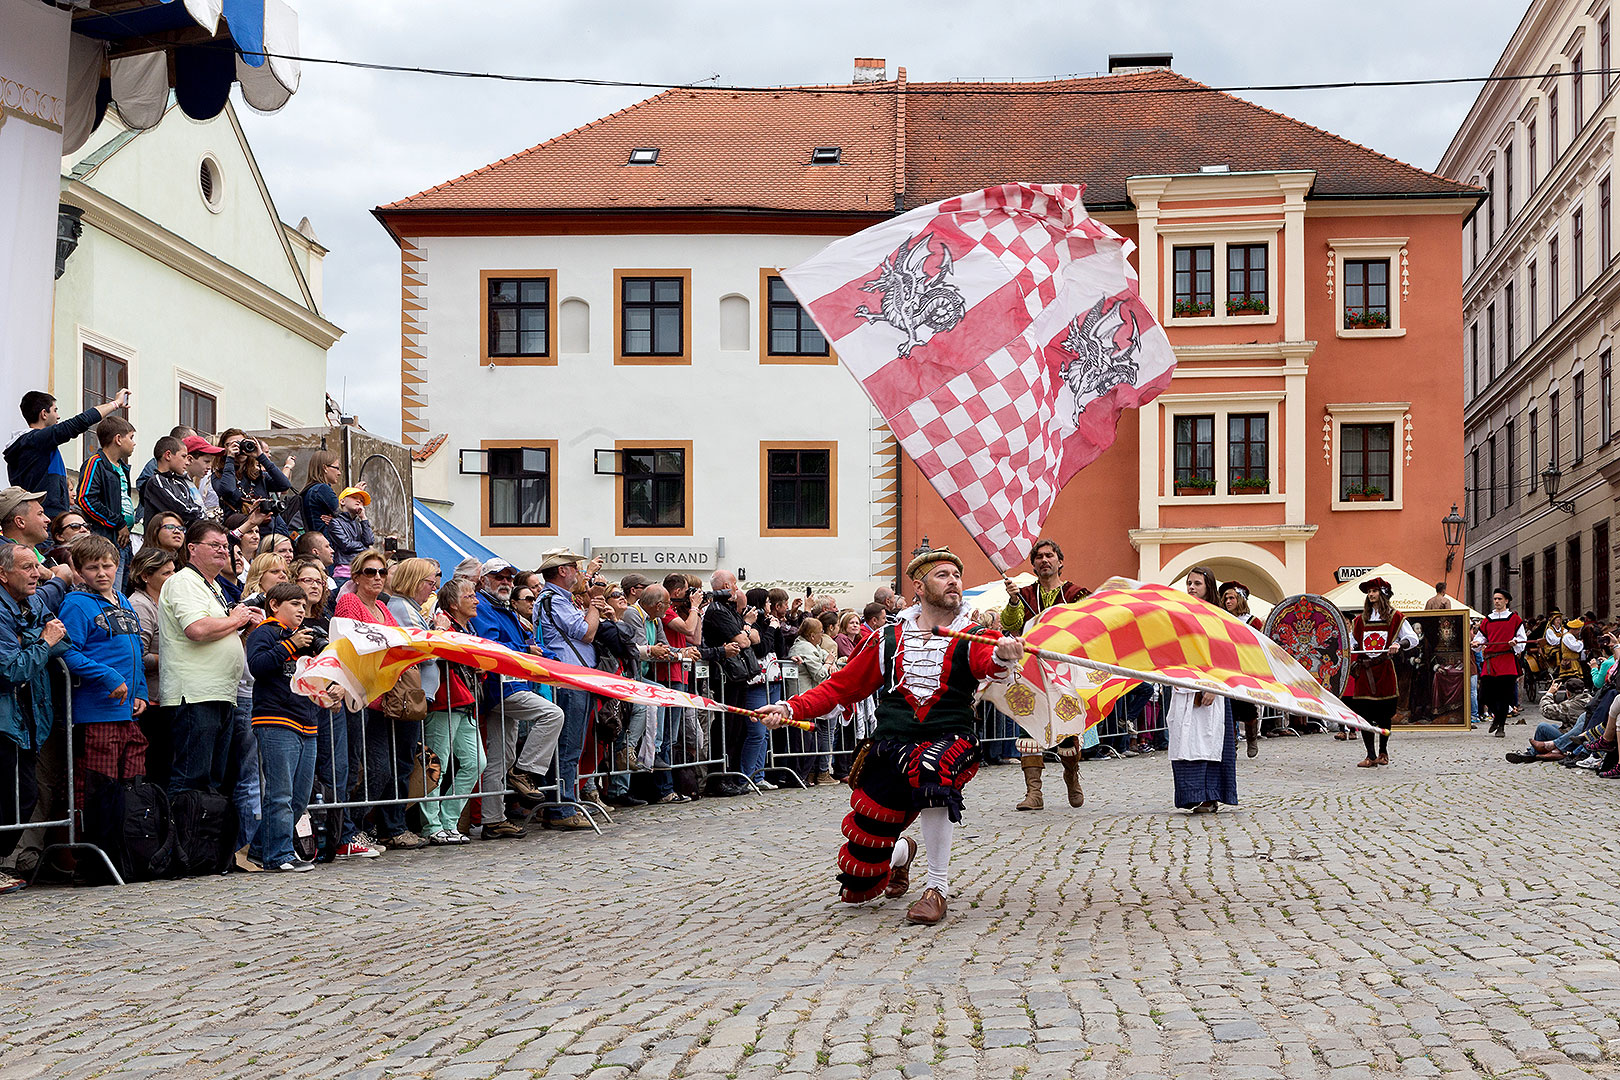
pixel 1410 592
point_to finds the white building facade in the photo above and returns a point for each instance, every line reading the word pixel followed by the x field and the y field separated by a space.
pixel 186 286
pixel 685 447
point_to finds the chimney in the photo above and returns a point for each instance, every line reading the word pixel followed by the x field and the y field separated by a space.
pixel 869 69
pixel 1130 63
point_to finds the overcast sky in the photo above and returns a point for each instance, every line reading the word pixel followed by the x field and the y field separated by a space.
pixel 351 140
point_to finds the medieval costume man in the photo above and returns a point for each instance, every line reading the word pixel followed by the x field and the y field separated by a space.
pixel 1563 646
pixel 1023 604
pixel 924 749
pixel 1500 639
pixel 1203 739
pixel 1235 599
pixel 1376 635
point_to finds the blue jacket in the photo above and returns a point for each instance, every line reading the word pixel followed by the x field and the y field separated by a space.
pixel 106 653
pixel 501 624
pixel 271 660
pixel 25 684
pixel 100 495
pixel 348 535
pixel 35 464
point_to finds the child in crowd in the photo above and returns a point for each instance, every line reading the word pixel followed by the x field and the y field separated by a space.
pixel 349 531
pixel 169 490
pixel 103 495
pixel 283 724
pixel 108 663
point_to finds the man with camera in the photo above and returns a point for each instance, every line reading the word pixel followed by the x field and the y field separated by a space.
pixel 728 632
pixel 566 634
pixel 510 702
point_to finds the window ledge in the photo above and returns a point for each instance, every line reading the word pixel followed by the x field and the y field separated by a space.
pixel 1220 320
pixel 1221 500
pixel 1387 504
pixel 1384 332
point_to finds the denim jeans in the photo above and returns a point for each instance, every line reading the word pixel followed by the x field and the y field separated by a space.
pixel 757 737
pixel 287 761
pixel 576 707
pixel 1592 722
pixel 246 794
pixel 638 718
pixel 670 720
pixel 332 770
pixel 204 747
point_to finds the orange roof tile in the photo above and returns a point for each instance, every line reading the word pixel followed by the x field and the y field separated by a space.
pixel 724 149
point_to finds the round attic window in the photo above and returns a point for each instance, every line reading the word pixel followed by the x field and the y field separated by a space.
pixel 210 183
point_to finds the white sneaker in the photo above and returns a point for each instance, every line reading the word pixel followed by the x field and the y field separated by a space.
pixel 1593 762
pixel 764 785
pixel 370 841
pixel 443 836
pixel 295 867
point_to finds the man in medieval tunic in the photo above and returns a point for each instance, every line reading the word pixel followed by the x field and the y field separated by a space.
pixel 924 749
pixel 1500 640
pixel 1023 604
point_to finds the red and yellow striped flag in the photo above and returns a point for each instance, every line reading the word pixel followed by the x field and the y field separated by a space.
pixel 1155 629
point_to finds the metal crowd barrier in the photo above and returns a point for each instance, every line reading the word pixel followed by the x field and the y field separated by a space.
pixel 797 754
pixel 66 797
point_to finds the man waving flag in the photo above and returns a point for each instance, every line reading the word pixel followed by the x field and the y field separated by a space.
pixel 1000 334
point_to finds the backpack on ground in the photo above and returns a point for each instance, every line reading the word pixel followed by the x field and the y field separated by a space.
pixel 129 820
pixel 204 833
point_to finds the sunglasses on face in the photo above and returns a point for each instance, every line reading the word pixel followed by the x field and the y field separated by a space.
pixel 524 598
pixel 371 571
pixel 75 526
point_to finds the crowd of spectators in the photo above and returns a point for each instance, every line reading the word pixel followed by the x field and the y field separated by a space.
pixel 1569 667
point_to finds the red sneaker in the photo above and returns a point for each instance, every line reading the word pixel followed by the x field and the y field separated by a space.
pixel 357 849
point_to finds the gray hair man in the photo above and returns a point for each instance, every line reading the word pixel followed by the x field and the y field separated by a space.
pixel 644 738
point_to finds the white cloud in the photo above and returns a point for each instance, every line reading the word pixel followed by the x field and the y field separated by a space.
pixel 351 140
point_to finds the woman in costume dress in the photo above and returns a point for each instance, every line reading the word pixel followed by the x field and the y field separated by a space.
pixel 1203 739
pixel 1377 634
pixel 1235 599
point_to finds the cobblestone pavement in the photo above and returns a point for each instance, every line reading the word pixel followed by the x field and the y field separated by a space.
pixel 1450 915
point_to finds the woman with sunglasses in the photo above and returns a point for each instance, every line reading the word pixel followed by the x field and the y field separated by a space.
pixel 368 573
pixel 67 527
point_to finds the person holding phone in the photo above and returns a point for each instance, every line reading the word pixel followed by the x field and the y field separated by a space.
pixel 34 457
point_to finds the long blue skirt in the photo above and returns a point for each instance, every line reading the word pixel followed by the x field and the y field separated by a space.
pixel 1209 781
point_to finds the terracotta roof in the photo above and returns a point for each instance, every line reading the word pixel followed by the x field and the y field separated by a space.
pixel 1101 140
pixel 428 449
pixel 716 150
pixel 723 149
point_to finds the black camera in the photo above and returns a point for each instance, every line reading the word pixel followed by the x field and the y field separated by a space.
pixel 318 640
pixel 716 596
pixel 247 446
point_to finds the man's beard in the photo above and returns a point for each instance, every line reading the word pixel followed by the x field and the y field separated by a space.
pixel 942 598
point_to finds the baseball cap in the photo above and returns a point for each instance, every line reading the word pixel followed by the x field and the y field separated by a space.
pixel 355 493
pixel 634 581
pixel 13 497
pixel 495 566
pixel 196 444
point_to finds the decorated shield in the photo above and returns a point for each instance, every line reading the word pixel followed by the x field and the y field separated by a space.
pixel 1312 631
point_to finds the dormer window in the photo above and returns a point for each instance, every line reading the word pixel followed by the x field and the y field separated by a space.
pixel 644 155
pixel 826 155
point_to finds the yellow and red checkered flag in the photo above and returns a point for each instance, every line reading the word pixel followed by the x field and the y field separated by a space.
pixel 1052 701
pixel 364 661
pixel 1154 633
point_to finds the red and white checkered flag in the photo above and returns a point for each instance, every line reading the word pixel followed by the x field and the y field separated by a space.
pixel 1000 334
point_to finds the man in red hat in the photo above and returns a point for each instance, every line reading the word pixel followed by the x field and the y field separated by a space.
pixel 924 749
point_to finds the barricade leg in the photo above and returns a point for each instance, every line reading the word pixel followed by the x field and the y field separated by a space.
pixel 71 819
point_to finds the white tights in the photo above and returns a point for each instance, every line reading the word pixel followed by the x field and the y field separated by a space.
pixel 936 827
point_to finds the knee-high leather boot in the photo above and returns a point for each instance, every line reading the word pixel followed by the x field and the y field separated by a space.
pixel 1034 765
pixel 1071 778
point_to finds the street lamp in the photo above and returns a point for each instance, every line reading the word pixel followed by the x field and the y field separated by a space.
pixel 1453 524
pixel 1551 476
pixel 922 548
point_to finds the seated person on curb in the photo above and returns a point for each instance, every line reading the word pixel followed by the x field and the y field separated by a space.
pixel 108 664
pixel 1565 703
pixel 284 724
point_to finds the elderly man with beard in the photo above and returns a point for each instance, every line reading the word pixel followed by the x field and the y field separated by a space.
pixel 509 704
pixel 924 750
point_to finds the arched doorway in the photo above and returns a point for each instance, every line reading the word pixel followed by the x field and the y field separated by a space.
pixel 1255 567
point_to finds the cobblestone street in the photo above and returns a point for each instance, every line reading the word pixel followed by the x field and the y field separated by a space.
pixel 1450 915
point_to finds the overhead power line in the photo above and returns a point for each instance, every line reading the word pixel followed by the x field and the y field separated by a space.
pixel 933 89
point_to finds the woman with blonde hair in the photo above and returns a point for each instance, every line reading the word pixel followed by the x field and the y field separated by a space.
pixel 256 584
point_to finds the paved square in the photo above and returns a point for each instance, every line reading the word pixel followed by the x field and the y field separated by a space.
pixel 1450 915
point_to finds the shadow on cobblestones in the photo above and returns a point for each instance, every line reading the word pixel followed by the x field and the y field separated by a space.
pixel 1446 916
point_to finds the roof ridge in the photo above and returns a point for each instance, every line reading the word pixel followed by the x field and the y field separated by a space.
pixel 1323 131
pixel 397 203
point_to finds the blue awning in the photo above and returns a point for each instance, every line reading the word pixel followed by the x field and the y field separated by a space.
pixel 442 542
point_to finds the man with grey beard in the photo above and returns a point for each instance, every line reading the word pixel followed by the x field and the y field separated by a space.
pixel 508 703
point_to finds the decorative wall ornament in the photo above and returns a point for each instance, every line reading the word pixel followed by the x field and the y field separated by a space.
pixel 1333 261
pixel 1406 277
pixel 1407 420
pixel 1327 436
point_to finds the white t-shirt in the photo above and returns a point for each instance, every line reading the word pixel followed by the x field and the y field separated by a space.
pixel 194 670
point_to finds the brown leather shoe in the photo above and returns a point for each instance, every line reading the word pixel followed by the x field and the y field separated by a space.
pixel 928 909
pixel 1367 763
pixel 573 821
pixel 900 876
pixel 1383 759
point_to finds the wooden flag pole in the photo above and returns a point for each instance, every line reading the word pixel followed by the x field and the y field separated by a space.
pixel 1148 676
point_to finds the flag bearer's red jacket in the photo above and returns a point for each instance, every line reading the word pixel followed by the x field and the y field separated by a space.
pixel 925 683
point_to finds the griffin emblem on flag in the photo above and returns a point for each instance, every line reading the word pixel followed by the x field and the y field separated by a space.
pixel 1006 339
